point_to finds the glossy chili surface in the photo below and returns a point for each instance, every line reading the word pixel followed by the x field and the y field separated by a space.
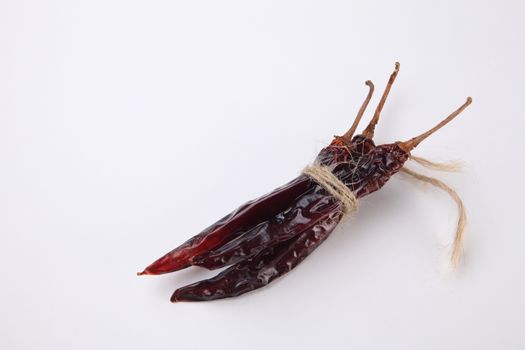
pixel 267 237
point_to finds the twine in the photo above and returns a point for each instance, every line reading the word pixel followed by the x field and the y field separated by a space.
pixel 457 246
pixel 452 166
pixel 324 177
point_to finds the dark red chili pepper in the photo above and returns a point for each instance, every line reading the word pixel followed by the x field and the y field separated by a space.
pixel 230 226
pixel 267 237
pixel 302 215
pixel 365 174
pixel 259 270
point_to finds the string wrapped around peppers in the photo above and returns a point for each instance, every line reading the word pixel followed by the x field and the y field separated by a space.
pixel 267 237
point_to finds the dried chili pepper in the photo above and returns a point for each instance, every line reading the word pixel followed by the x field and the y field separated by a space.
pixel 259 270
pixel 229 227
pixel 267 237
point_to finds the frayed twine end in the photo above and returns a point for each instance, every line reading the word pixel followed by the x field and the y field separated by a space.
pixel 457 246
pixel 450 166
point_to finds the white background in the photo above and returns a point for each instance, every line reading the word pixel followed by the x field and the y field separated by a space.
pixel 128 126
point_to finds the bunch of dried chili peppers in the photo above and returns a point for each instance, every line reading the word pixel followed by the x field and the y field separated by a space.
pixel 267 237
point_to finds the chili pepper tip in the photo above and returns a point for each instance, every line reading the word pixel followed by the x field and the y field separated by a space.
pixel 175 298
pixel 187 294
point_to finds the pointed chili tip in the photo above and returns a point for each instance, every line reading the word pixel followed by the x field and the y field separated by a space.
pixel 142 273
pixel 188 294
pixel 176 297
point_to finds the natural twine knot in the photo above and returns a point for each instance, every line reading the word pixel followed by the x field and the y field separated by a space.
pixel 324 177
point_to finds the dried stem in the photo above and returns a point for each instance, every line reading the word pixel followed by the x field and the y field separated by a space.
pixel 409 145
pixel 348 135
pixel 369 131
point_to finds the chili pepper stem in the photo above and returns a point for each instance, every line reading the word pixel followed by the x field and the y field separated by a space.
pixel 369 131
pixel 409 145
pixel 348 135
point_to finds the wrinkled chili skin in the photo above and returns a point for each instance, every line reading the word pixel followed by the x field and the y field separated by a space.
pixel 362 166
pixel 303 214
pixel 250 241
pixel 230 226
pixel 261 269
pixel 241 220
